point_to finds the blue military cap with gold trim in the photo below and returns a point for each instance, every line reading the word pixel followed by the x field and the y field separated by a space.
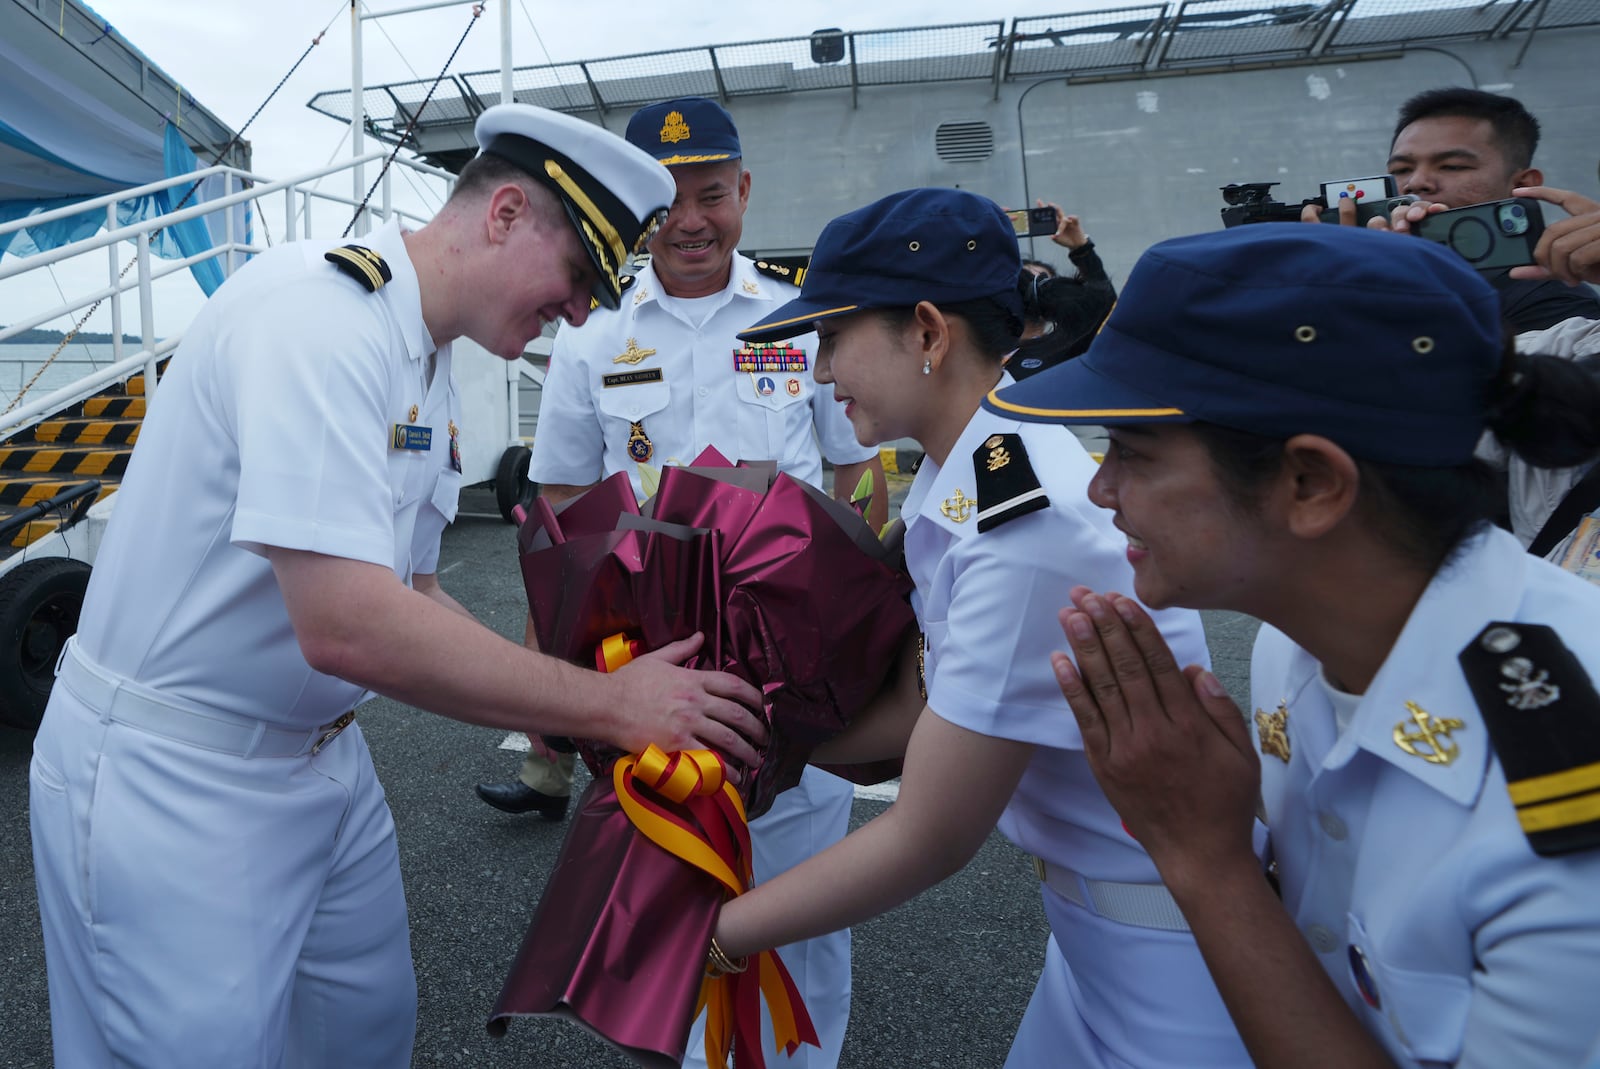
pixel 614 194
pixel 685 130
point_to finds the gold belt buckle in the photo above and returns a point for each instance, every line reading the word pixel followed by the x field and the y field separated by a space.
pixel 331 731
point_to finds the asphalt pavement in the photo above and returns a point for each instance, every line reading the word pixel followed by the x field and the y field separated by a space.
pixel 940 982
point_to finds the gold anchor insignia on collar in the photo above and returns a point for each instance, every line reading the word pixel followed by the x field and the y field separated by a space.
pixel 1273 730
pixel 958 507
pixel 998 457
pixel 1431 740
pixel 638 298
pixel 632 354
pixel 750 287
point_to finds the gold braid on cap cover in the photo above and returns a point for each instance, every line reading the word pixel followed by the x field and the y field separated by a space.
pixel 619 251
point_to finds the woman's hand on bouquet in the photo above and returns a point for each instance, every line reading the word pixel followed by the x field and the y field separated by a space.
pixel 1168 746
pixel 682 709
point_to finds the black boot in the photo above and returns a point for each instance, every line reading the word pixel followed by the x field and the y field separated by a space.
pixel 518 797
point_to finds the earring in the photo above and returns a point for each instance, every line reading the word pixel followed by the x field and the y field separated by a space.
pixel 927 367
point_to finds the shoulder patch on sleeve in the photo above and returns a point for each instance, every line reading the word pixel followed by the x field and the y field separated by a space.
pixel 791 270
pixel 1543 717
pixel 361 264
pixel 1007 485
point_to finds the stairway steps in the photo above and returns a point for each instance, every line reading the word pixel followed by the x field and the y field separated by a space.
pixel 20 493
pixel 90 440
pixel 86 461
pixel 92 431
pixel 109 406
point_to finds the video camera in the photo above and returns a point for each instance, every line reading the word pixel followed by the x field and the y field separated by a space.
pixel 1252 202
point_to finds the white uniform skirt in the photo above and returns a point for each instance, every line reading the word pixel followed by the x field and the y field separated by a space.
pixel 1134 998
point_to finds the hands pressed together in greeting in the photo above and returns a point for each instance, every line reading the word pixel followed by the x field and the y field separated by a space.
pixel 1168 746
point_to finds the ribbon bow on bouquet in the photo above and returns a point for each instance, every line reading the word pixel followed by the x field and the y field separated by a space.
pixel 795 594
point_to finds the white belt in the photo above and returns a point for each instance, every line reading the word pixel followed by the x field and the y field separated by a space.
pixel 127 702
pixel 1142 905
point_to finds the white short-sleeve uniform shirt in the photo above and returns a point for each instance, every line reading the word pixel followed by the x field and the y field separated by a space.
pixel 1448 936
pixel 987 603
pixel 273 427
pixel 671 369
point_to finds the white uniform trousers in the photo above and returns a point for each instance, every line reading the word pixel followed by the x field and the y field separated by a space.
pixel 804 820
pixel 203 910
pixel 1143 999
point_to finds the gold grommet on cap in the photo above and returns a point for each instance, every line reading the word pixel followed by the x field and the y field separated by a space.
pixel 1306 333
pixel 972 243
pixel 914 246
pixel 1423 344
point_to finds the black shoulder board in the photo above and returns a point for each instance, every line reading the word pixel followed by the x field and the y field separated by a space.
pixel 1007 486
pixel 361 264
pixel 1543 717
pixel 624 281
pixel 793 272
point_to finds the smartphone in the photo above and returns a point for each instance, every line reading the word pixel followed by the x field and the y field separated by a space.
pixel 1366 209
pixel 1033 222
pixel 1490 236
pixel 1378 187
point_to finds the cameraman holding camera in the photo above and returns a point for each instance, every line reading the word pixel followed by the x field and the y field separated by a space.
pixel 1455 147
pixel 1061 315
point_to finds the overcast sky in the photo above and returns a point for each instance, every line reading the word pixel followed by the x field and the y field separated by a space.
pixel 228 54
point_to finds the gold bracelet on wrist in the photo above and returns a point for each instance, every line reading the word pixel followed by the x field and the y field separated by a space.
pixel 719 962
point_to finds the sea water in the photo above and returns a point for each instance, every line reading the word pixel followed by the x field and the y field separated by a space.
pixel 19 363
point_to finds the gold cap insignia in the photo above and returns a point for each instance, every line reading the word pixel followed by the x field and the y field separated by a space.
pixel 632 354
pixel 1427 736
pixel 1273 731
pixel 674 129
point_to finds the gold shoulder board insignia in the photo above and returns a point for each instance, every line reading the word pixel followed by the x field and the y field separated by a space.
pixel 1007 485
pixel 361 264
pixel 1543 717
pixel 791 272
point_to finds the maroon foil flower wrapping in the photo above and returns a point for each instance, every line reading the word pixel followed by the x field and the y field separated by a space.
pixel 795 595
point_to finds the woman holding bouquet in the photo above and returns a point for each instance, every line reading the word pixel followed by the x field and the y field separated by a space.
pixel 916 304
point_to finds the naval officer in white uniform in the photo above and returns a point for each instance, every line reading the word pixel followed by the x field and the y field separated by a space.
pixel 654 383
pixel 1292 437
pixel 916 303
pixel 217 870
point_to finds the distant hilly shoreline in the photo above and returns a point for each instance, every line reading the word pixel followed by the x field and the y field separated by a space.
pixel 48 337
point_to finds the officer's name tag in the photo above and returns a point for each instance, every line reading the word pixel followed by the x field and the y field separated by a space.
pixel 411 436
pixel 631 378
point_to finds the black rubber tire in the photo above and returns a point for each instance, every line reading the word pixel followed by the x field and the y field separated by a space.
pixel 511 485
pixel 39 605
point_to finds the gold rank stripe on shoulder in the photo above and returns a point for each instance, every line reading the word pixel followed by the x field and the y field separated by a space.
pixel 1558 800
pixel 1571 813
pixel 361 264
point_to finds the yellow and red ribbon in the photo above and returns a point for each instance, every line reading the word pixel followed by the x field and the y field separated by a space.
pixel 716 841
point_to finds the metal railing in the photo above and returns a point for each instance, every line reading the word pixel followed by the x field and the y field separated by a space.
pixel 299 195
pixel 1127 41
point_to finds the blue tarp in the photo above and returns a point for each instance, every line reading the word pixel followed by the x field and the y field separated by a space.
pixel 61 144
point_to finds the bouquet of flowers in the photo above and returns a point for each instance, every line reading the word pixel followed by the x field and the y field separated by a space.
pixel 795 594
